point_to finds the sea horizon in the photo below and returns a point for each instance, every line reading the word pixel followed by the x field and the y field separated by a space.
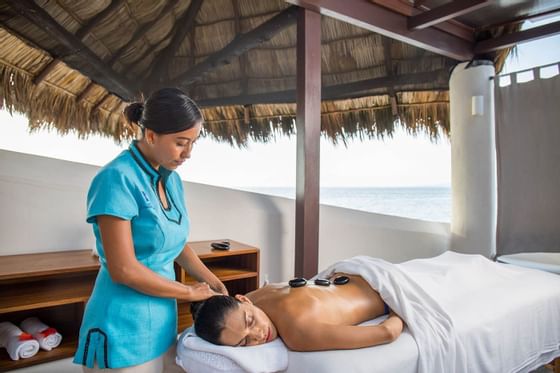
pixel 431 203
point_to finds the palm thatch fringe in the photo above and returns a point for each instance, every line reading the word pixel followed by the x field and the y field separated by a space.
pixel 51 108
pixel 363 118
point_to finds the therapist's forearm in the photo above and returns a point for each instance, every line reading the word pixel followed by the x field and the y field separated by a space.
pixel 141 278
pixel 124 268
pixel 194 266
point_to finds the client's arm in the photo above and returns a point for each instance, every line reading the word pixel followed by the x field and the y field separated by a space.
pixel 320 336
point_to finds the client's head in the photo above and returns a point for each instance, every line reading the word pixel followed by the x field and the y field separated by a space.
pixel 232 321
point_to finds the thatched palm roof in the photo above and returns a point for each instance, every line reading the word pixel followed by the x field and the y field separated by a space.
pixel 78 73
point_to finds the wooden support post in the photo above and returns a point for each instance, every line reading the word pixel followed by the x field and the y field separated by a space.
pixel 308 122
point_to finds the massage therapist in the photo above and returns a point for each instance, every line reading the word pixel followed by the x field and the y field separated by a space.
pixel 137 209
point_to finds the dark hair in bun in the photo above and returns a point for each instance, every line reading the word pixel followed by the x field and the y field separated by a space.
pixel 133 112
pixel 167 110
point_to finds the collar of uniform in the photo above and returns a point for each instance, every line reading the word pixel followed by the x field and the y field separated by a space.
pixel 146 166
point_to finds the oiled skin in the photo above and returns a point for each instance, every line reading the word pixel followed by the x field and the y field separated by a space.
pixel 312 317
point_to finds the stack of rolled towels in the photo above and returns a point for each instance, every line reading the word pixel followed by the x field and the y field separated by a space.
pixel 25 342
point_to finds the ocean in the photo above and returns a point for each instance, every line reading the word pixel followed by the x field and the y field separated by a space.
pixel 426 203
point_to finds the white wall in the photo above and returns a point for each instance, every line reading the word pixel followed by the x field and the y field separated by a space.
pixel 43 208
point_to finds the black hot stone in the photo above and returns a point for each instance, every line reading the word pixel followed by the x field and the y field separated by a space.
pixel 341 280
pixel 322 282
pixel 297 282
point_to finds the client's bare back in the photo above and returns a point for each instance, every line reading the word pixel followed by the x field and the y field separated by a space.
pixel 310 311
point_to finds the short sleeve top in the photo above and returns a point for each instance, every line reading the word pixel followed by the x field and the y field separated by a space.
pixel 121 326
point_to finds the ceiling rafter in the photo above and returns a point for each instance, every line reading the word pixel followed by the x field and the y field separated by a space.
pixel 78 56
pixel 241 44
pixel 445 12
pixel 162 62
pixel 451 26
pixel 80 34
pixel 45 71
pixel 522 18
pixel 243 57
pixel 96 19
pixel 388 23
pixel 389 72
pixel 340 91
pixel 510 40
pixel 142 30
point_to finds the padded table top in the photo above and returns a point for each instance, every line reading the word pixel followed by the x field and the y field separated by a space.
pixel 549 262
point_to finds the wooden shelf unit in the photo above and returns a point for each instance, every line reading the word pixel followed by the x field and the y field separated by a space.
pixel 238 268
pixel 52 286
pixel 56 286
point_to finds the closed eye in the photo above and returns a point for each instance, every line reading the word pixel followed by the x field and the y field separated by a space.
pixel 243 342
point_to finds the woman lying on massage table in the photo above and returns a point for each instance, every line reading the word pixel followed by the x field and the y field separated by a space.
pixel 307 318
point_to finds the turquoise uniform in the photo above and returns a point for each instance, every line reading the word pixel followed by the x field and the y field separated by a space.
pixel 121 326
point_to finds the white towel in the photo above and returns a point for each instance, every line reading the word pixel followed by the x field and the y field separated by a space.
pixel 16 342
pixel 195 355
pixel 48 338
pixel 430 325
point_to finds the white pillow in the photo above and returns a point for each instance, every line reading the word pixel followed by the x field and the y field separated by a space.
pixel 195 355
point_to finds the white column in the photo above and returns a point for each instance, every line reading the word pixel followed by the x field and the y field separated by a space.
pixel 473 159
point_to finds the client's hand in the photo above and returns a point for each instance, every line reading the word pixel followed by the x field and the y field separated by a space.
pixel 199 291
pixel 394 325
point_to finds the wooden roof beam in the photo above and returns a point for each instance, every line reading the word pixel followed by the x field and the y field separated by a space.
pixel 334 92
pixel 45 71
pixel 451 26
pixel 142 30
pixel 243 57
pixel 510 40
pixel 240 45
pixel 386 22
pixel 445 12
pixel 80 34
pixel 78 55
pixel 389 69
pixel 94 21
pixel 185 24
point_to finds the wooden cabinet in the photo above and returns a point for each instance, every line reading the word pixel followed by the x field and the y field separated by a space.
pixel 52 286
pixel 56 286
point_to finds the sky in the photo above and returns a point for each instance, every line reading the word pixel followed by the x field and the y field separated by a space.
pixel 401 161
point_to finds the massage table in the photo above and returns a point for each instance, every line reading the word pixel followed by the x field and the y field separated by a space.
pixel 505 318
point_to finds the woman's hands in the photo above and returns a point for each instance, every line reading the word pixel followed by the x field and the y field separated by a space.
pixel 194 266
pixel 202 291
pixel 220 288
pixel 199 291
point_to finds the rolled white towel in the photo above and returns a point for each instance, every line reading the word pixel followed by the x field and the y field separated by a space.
pixel 16 342
pixel 48 338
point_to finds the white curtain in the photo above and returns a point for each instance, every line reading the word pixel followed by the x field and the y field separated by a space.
pixel 528 156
